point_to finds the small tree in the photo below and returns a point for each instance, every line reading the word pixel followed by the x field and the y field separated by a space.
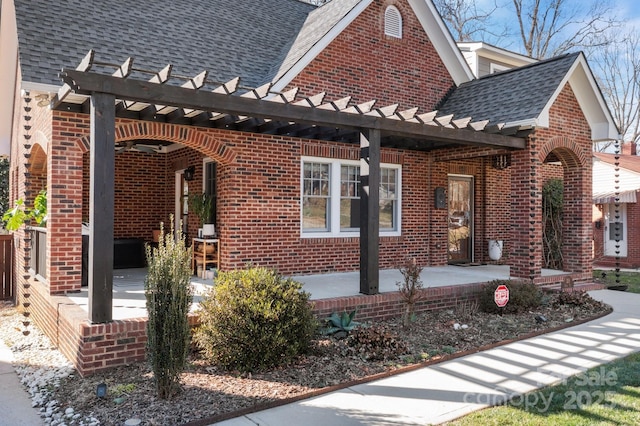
pixel 169 297
pixel 410 288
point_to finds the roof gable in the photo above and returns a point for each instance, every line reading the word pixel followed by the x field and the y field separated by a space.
pixel 522 97
pixel 327 22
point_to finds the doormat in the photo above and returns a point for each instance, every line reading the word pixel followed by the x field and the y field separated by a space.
pixel 468 264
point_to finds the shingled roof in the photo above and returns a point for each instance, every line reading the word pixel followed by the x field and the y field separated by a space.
pixel 228 38
pixel 511 96
pixel 318 24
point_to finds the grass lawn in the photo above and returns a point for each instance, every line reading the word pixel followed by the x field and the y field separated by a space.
pixel 605 395
pixel 632 279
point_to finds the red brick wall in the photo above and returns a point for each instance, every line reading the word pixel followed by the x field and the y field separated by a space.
pixel 364 63
pixel 568 139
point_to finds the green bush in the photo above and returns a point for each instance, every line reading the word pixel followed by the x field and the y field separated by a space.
pixel 167 288
pixel 254 319
pixel 523 296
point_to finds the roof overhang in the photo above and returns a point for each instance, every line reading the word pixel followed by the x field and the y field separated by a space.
pixel 590 99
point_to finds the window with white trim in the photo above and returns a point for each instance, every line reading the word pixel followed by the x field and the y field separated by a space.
pixel 392 22
pixel 330 197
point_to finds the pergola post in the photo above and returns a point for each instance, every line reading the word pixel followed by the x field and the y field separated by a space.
pixel 101 210
pixel 369 210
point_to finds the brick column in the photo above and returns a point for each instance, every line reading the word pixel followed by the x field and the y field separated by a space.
pixel 577 227
pixel 526 213
pixel 64 198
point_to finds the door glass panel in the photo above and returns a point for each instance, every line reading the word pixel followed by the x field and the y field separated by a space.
pixel 460 196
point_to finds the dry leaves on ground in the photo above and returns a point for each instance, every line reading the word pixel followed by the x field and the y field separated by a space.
pixel 209 392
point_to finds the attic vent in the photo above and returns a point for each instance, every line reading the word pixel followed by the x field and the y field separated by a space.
pixel 392 22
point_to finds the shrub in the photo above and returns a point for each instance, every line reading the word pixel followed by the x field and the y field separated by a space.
pixel 375 343
pixel 523 296
pixel 167 288
pixel 254 319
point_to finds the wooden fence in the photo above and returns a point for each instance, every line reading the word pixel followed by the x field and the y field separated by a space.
pixel 6 267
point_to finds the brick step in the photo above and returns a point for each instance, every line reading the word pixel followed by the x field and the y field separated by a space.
pixel 582 286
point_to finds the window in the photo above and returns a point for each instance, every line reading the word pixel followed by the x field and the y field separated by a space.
pixel 315 197
pixel 392 22
pixel 210 187
pixel 493 68
pixel 331 206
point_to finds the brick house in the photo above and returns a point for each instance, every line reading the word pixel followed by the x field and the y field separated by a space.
pixel 616 214
pixel 458 160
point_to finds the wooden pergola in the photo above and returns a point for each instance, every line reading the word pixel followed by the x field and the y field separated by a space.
pixel 258 110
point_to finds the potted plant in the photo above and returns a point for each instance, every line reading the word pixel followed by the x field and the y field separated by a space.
pixel 202 206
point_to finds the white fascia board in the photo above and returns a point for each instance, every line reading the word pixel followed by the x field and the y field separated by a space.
pixel 492 52
pixel 530 123
pixel 39 87
pixel 589 98
pixel 317 48
pixel 592 102
pixel 9 69
pixel 442 41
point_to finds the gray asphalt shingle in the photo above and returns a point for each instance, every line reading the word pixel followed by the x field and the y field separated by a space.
pixel 509 96
pixel 228 38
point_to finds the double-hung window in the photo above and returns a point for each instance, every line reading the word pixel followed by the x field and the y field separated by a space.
pixel 331 198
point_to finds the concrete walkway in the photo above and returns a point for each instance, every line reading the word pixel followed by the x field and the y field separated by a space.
pixel 446 391
pixel 14 400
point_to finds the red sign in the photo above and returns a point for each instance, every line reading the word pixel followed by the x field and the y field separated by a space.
pixel 501 296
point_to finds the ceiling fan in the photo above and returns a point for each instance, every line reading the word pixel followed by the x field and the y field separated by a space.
pixel 131 145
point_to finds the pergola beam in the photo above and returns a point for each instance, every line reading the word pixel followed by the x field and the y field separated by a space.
pixel 141 91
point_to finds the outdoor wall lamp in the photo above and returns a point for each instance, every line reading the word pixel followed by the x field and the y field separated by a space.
pixel 189 173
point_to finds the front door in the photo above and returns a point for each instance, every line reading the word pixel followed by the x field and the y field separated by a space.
pixel 460 204
pixel 615 230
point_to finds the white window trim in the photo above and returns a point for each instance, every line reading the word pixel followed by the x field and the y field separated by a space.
pixel 334 199
pixel 493 68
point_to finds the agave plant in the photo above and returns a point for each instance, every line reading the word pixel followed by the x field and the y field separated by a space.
pixel 341 323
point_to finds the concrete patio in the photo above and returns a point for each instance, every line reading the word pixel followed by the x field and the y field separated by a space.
pixel 129 299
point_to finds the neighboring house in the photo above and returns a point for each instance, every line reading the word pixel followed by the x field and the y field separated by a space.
pixel 485 59
pixel 455 161
pixel 616 212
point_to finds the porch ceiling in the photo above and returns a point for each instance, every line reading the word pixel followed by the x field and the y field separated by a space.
pixel 259 110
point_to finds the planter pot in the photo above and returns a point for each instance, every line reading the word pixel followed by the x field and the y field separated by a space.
pixel 208 229
pixel 495 249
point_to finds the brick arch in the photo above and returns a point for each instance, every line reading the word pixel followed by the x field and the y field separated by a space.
pixel 188 136
pixel 571 154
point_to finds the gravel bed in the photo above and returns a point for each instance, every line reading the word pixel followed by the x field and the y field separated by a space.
pixel 65 398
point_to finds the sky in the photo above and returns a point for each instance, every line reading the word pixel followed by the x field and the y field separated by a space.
pixel 627 10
